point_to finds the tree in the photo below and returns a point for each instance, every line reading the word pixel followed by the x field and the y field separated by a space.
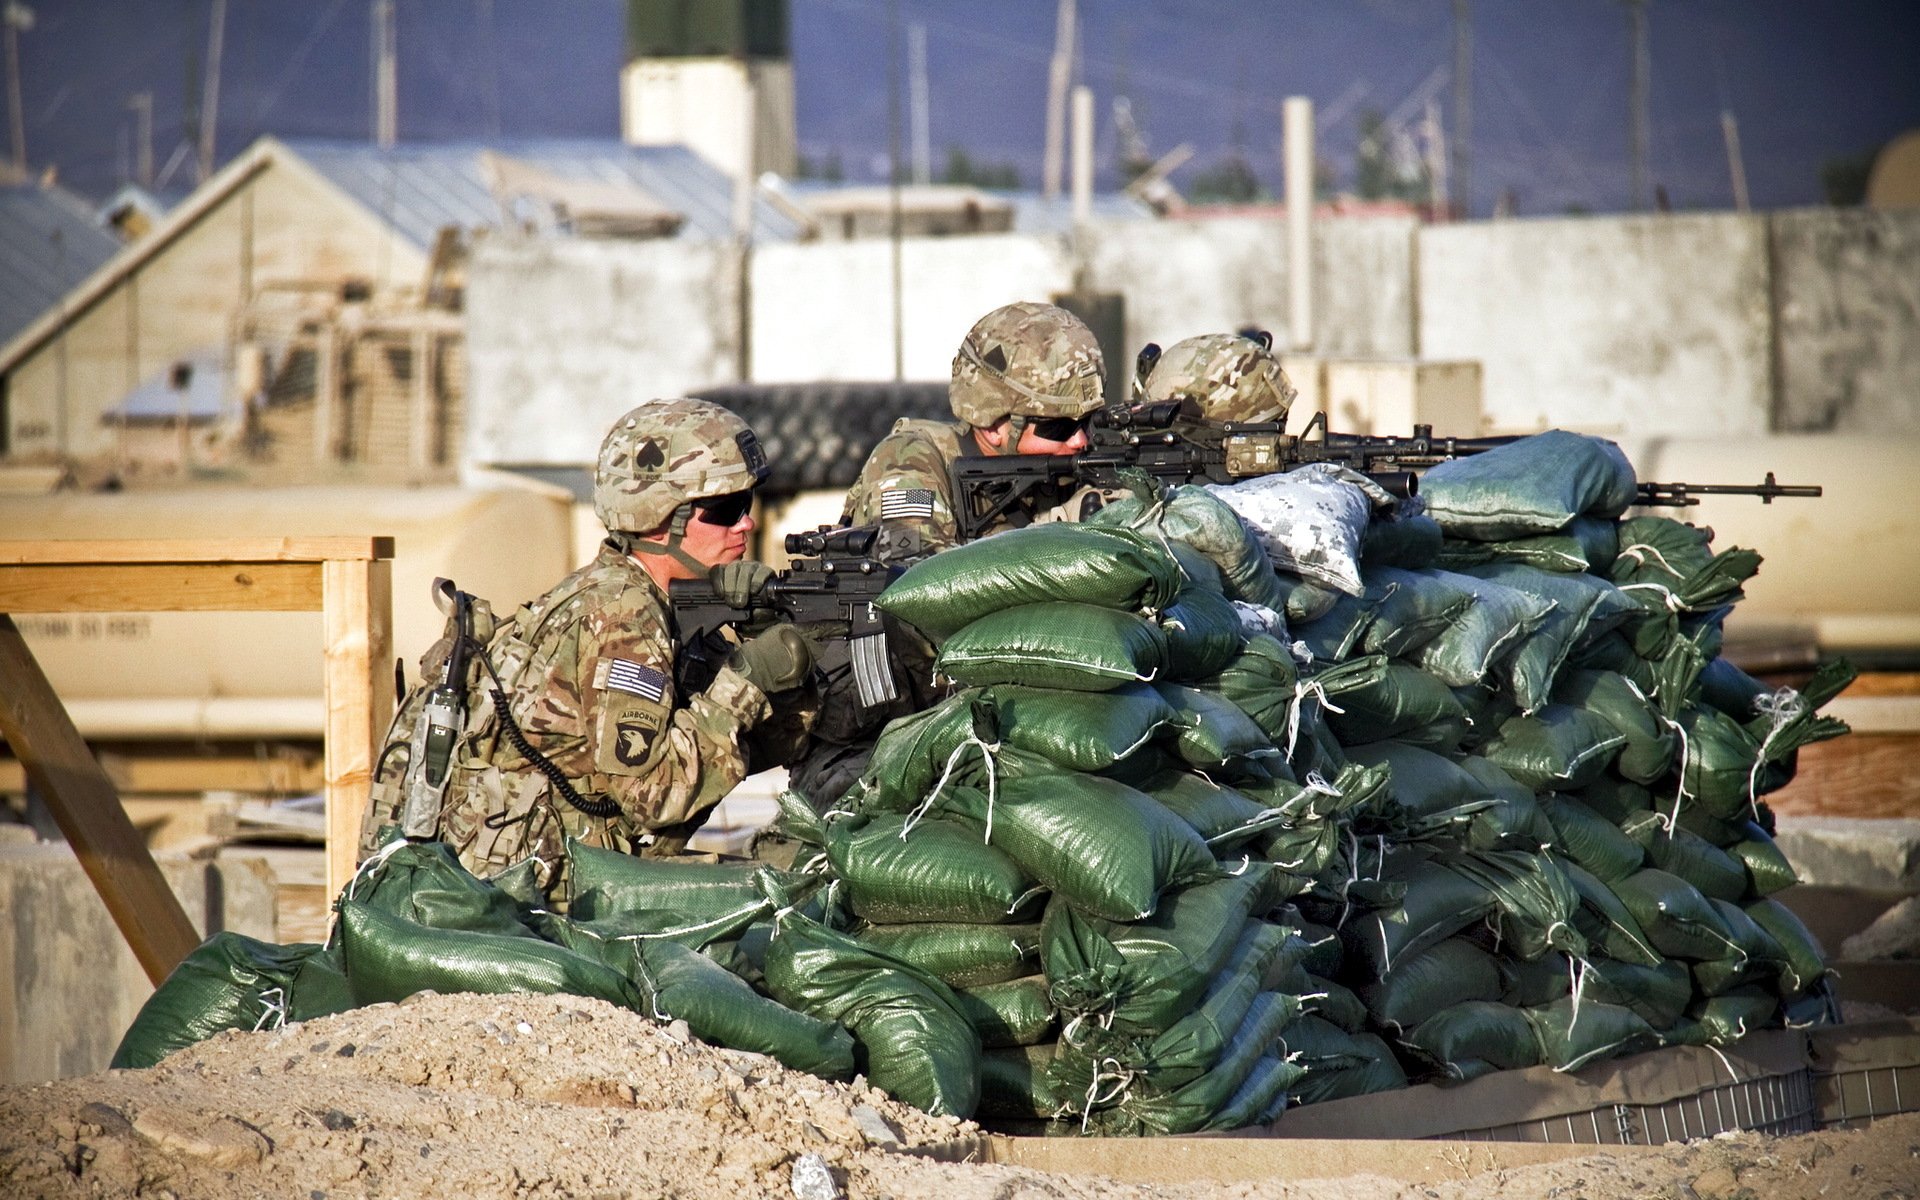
pixel 1844 179
pixel 1381 168
pixel 962 169
pixel 1232 181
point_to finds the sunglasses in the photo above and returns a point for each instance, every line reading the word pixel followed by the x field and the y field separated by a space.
pixel 1057 429
pixel 724 511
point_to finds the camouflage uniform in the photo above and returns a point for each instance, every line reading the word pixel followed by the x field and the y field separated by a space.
pixel 588 675
pixel 1223 377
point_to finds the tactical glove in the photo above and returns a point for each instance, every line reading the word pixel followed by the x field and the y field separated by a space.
pixel 739 583
pixel 776 661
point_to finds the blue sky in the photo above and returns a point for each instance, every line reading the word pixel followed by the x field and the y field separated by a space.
pixel 1808 80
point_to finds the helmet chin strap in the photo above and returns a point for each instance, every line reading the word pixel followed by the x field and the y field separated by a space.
pixel 676 533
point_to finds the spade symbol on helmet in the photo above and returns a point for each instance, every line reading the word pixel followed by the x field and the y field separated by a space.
pixel 649 454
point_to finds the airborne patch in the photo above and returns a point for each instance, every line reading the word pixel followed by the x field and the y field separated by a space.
pixel 636 679
pixel 903 503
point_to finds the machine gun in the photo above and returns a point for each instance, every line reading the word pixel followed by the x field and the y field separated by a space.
pixel 834 577
pixel 1167 443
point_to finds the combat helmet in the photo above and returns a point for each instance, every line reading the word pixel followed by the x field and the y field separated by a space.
pixel 1225 377
pixel 662 456
pixel 1026 361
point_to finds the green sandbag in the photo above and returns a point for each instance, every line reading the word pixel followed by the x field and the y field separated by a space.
pixel 655 895
pixel 389 958
pixel 1259 681
pixel 1014 1084
pixel 1616 799
pixel 1573 1035
pixel 320 986
pixel 1487 709
pixel 1651 743
pixel 1142 976
pixel 1223 817
pixel 1406 705
pixel 1320 1045
pixel 1261 1099
pixel 230 982
pixel 424 882
pixel 1420 986
pixel 1717 874
pixel 1192 1045
pixel 676 983
pixel 1307 602
pixel 1698 821
pixel 1195 517
pixel 1731 690
pixel 1203 634
pixel 1432 792
pixel 1414 608
pixel 1535 485
pixel 896 872
pixel 1537 901
pixel 1805 961
pixel 1486 632
pixel 1316 947
pixel 1556 749
pixel 1660 550
pixel 1727 1018
pixel 1014 1013
pixel 1591 840
pixel 960 955
pixel 1146 1109
pixel 1406 538
pixel 1514 820
pixel 1581 604
pixel 1754 958
pixel 1080 731
pixel 1336 1002
pixel 1102 846
pixel 1475 1029
pixel 1334 635
pixel 1678 921
pixel 1604 919
pixel 1586 544
pixel 1063 644
pixel 1439 903
pixel 1528 984
pixel 1659 993
pixel 914 752
pixel 1768 870
pixel 1378 1071
pixel 1211 730
pixel 917 1045
pixel 1100 565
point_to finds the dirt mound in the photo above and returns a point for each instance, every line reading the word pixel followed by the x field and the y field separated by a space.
pixel 485 1096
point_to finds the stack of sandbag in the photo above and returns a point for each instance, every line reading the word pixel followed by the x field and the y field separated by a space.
pixel 1572 860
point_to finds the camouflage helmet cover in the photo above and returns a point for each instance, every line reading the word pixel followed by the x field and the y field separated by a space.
pixel 1226 376
pixel 666 453
pixel 1030 360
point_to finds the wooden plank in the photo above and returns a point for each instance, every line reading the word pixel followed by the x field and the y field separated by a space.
pixel 84 804
pixel 1884 683
pixel 160 587
pixel 1860 775
pixel 1876 714
pixel 358 636
pixel 139 774
pixel 195 550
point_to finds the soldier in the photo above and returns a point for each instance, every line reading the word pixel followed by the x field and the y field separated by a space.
pixel 575 723
pixel 1025 381
pixel 1222 377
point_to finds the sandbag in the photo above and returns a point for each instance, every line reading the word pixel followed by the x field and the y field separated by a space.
pixel 1805 963
pixel 1651 742
pixel 1768 870
pixel 1215 1096
pixel 1580 605
pixel 1310 520
pixel 1439 903
pixel 1502 1037
pixel 1102 846
pixel 1655 549
pixel 1261 1098
pixel 1586 544
pixel 230 982
pixel 1659 992
pixel 1220 815
pixel 1604 919
pixel 1529 984
pixel 1514 819
pixel 1336 1002
pixel 1731 690
pixel 1556 749
pixel 1099 565
pixel 1260 682
pixel 1334 635
pixel 1571 1036
pixel 914 752
pixel 1589 839
pixel 1406 705
pixel 1404 536
pixel 1537 901
pixel 1063 644
pixel 1014 1084
pixel 1211 730
pixel 1195 517
pixel 1413 608
pixel 1432 792
pixel 694 902
pixel 1617 800
pixel 1142 976
pixel 1754 958
pixel 1203 634
pixel 1420 986
pixel 1485 633
pixel 1080 731
pixel 1014 1013
pixel 1378 1071
pixel 389 958
pixel 1677 919
pixel 897 871
pixel 1727 1018
pixel 1717 874
pixel 423 882
pixel 960 956
pixel 1535 485
pixel 918 1045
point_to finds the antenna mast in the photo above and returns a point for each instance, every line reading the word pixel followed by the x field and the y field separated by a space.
pixel 1060 75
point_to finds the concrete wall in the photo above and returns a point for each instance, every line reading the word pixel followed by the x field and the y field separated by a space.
pixel 1848 289
pixel 1657 325
pixel 69 985
pixel 281 226
pixel 563 336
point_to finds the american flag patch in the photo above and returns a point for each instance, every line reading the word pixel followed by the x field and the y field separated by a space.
pixel 901 503
pixel 619 675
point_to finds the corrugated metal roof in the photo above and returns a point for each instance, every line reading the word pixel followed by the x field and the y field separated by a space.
pixel 49 242
pixel 420 189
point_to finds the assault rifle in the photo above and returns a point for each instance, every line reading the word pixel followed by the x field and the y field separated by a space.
pixel 1164 441
pixel 834 578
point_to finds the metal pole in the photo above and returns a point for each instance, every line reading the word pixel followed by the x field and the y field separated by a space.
pixel 1059 75
pixel 142 105
pixel 386 117
pixel 1297 130
pixel 1462 109
pixel 1082 156
pixel 210 93
pixel 922 120
pixel 1736 166
pixel 16 18
pixel 893 184
pixel 1637 101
